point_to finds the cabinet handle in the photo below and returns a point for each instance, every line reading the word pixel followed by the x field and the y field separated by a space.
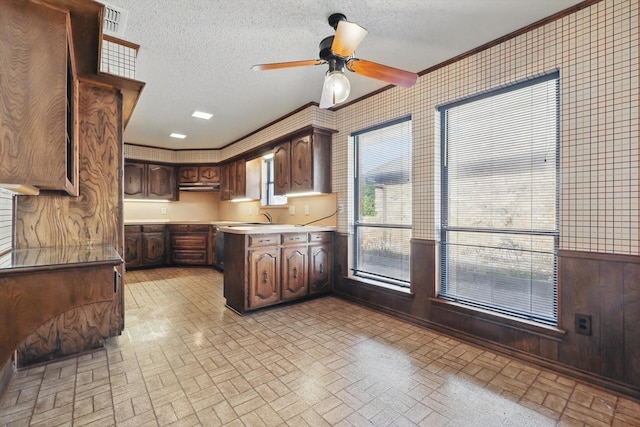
pixel 295 273
pixel 321 269
pixel 264 277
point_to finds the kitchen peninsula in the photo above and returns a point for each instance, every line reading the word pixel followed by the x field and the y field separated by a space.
pixel 272 264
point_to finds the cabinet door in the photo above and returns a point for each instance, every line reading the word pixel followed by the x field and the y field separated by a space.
pixel 134 180
pixel 187 174
pixel 295 282
pixel 320 268
pixel 152 248
pixel 209 174
pixel 161 182
pixel 241 178
pixel 281 164
pixel 132 249
pixel 232 180
pixel 225 193
pixel 264 277
pixel 38 97
pixel 301 164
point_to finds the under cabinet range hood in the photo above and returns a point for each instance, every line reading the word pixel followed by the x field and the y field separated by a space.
pixel 200 186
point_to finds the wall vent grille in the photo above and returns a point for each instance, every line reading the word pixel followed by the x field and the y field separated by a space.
pixel 115 20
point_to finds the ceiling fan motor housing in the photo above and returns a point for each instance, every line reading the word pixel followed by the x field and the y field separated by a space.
pixel 335 18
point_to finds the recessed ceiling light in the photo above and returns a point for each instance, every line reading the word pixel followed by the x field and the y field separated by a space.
pixel 178 135
pixel 202 115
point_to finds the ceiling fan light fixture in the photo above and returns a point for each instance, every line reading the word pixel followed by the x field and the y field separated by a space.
pixel 337 87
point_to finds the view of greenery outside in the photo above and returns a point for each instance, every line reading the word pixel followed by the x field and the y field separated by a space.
pixel 368 201
pixel 383 224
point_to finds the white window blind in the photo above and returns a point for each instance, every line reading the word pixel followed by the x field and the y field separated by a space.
pixel 383 211
pixel 499 230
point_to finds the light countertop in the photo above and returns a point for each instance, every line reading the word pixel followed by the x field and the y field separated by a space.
pixel 274 228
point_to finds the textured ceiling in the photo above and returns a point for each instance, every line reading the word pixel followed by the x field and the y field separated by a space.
pixel 197 54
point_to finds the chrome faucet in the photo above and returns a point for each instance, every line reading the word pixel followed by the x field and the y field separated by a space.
pixel 268 216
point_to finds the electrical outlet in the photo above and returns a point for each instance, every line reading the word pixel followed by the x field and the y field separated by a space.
pixel 250 210
pixel 583 324
pixel 340 208
pixel 163 211
pixel 292 210
pixel 306 209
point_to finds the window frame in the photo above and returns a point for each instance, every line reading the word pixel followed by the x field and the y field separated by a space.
pixel 376 279
pixel 444 210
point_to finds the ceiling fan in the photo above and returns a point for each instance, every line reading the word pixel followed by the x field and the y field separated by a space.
pixel 338 52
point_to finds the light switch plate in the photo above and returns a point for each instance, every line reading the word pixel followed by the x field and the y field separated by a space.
pixel 306 209
pixel 292 210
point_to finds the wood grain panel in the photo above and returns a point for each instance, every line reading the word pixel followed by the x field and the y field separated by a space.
pixel 95 216
pixel 632 323
pixel 33 77
pixel 29 300
pixel 611 295
pixel 579 294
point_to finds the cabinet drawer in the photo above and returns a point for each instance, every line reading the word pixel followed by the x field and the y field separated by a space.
pixel 189 227
pixel 189 257
pixel 264 240
pixel 320 236
pixel 294 238
pixel 156 228
pixel 132 228
pixel 189 241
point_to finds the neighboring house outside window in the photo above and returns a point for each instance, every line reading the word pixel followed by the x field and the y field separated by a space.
pixel 383 202
pixel 499 220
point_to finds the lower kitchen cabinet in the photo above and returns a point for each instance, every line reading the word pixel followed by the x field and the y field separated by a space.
pixel 144 245
pixel 153 245
pixel 264 273
pixel 267 269
pixel 132 246
pixel 189 243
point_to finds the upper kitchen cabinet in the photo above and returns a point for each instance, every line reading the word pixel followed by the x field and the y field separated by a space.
pixel 149 181
pixel 240 179
pixel 192 174
pixel 303 164
pixel 38 97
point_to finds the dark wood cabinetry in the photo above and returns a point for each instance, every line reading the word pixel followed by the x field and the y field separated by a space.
pixel 153 245
pixel 144 245
pixel 320 268
pixel 240 179
pixel 161 182
pixel 294 272
pixel 134 180
pixel 132 246
pixel 281 161
pixel 303 164
pixel 39 99
pixel 267 269
pixel 189 243
pixel 149 181
pixel 209 174
pixel 264 277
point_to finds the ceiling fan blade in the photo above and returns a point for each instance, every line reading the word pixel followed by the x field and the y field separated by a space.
pixel 348 37
pixel 325 97
pixel 278 65
pixel 385 73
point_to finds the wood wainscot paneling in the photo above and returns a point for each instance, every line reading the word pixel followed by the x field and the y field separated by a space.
pixel 94 217
pixel 605 287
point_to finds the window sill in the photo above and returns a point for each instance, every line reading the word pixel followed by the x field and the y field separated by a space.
pixel 512 322
pixel 382 286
